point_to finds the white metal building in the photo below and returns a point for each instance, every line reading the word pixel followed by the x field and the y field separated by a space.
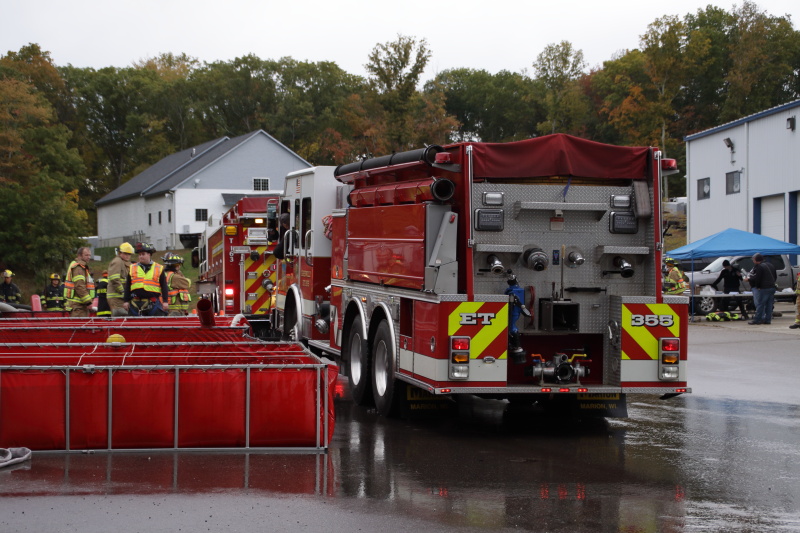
pixel 746 175
pixel 172 202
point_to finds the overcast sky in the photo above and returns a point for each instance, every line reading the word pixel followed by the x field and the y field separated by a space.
pixel 491 35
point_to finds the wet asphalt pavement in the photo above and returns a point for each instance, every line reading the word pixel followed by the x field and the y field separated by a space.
pixel 725 458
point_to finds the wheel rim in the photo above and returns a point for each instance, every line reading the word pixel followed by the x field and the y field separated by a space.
pixel 355 359
pixel 381 368
pixel 707 305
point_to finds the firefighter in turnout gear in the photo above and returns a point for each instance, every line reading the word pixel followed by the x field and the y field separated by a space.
pixel 146 288
pixel 674 283
pixel 796 324
pixel 179 284
pixel 79 285
pixel 9 292
pixel 102 291
pixel 117 276
pixel 54 294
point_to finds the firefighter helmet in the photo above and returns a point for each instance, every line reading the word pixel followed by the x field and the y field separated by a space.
pixel 55 276
pixel 125 248
pixel 145 247
pixel 172 259
pixel 8 274
pixel 670 261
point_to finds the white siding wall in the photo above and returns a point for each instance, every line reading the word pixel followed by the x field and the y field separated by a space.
pixel 120 219
pixel 708 157
pixel 768 155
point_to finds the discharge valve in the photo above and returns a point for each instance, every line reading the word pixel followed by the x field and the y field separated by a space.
pixel 561 369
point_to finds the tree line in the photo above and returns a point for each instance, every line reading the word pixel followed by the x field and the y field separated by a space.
pixel 70 135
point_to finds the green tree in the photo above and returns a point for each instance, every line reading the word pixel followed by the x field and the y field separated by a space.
pixel 493 108
pixel 664 48
pixel 558 67
pixel 37 168
pixel 764 62
pixel 310 97
pixel 236 97
pixel 173 98
pixel 700 101
pixel 395 69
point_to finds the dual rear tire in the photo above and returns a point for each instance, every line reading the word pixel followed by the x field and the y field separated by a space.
pixel 372 369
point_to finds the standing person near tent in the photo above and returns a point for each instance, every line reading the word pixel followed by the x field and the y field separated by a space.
pixel 796 324
pixel 179 284
pixel 146 287
pixel 762 283
pixel 731 280
pixel 79 285
pixel 675 282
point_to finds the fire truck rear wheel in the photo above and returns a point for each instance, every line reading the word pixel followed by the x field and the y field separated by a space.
pixel 384 385
pixel 359 364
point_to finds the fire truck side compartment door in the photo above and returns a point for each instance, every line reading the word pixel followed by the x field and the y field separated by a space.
pixel 441 272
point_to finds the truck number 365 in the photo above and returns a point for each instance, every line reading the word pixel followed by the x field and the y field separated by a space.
pixel 652 321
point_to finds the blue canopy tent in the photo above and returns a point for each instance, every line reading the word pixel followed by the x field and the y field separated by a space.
pixel 733 242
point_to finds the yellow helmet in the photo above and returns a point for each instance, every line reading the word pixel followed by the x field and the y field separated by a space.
pixel 55 276
pixel 8 274
pixel 126 248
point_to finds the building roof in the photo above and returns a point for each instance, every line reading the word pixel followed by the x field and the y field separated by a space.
pixel 739 122
pixel 228 199
pixel 174 169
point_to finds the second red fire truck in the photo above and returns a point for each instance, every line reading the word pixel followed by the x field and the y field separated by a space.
pixel 527 270
pixel 236 265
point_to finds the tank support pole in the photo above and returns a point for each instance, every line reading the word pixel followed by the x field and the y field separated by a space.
pixel 110 407
pixel 66 409
pixel 175 409
pixel 247 411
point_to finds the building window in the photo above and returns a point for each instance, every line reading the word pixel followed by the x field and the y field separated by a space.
pixel 169 215
pixel 201 215
pixel 704 189
pixel 260 184
pixel 159 217
pixel 733 182
pixel 149 219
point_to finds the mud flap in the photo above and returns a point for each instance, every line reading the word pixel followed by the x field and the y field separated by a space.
pixel 605 405
pixel 420 403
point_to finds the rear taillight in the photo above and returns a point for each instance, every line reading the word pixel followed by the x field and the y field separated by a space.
pixel 459 358
pixel 669 358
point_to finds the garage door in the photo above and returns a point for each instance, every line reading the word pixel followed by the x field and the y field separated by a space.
pixel 772 221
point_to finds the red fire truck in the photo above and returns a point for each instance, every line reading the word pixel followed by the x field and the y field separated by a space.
pixel 236 266
pixel 527 270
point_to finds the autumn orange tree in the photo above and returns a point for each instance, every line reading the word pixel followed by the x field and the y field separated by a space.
pixel 40 222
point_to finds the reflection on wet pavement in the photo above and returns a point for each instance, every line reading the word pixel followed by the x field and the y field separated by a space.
pixel 689 464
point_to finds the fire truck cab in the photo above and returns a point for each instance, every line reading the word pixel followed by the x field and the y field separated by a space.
pixel 304 274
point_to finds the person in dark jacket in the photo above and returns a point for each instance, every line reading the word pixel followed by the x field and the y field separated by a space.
pixel 731 280
pixel 280 249
pixel 103 308
pixel 762 283
pixel 9 292
pixel 54 299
